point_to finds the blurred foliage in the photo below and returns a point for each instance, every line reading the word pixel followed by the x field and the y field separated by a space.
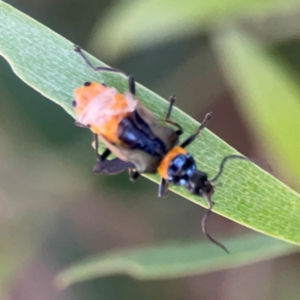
pixel 175 259
pixel 264 85
pixel 54 211
pixel 130 26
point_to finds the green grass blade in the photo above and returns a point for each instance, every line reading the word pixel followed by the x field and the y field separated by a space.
pixel 249 195
pixel 174 260
pixel 268 95
pixel 134 25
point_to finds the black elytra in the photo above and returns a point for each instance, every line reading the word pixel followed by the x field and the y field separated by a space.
pixel 136 133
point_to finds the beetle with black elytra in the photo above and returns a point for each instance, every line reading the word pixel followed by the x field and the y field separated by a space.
pixel 139 141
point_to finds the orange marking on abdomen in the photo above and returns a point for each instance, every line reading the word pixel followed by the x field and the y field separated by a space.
pixel 85 94
pixel 102 109
pixel 110 130
pixel 165 163
pixel 121 102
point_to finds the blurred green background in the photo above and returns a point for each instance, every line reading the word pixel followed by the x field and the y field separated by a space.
pixel 173 48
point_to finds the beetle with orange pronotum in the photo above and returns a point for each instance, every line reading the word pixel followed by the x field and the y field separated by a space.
pixel 140 142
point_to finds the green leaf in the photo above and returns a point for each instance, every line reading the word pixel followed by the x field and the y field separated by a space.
pixel 268 95
pixel 173 260
pixel 249 195
pixel 132 25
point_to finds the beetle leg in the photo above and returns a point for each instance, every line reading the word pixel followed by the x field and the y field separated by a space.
pixel 190 139
pixel 131 81
pixel 78 124
pixel 172 100
pixel 133 175
pixel 100 157
pixel 163 188
pixel 112 167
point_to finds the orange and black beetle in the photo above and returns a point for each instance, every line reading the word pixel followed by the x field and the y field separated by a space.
pixel 141 143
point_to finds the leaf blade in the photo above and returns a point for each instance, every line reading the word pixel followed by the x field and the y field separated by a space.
pixel 174 260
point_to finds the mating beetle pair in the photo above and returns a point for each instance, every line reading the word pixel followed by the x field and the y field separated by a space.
pixel 139 141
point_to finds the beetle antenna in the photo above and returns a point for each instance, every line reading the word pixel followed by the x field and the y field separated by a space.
pixel 204 221
pixel 225 159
